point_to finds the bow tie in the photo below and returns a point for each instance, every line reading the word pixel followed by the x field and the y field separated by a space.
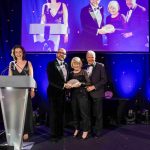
pixel 62 63
pixel 131 8
pixel 96 9
pixel 91 65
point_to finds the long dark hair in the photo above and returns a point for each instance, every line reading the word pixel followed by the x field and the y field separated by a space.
pixel 13 52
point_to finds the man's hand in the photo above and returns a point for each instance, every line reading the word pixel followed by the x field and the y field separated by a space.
pixel 127 35
pixel 90 88
pixel 67 86
pixel 101 31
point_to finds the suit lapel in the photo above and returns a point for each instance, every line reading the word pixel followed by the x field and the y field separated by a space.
pixel 59 69
pixel 92 13
pixel 66 66
pixel 94 68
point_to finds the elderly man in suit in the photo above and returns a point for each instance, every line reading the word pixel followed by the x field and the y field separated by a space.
pixel 57 72
pixel 137 26
pixel 92 20
pixel 97 75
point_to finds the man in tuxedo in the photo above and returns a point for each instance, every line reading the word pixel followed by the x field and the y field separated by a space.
pixel 97 75
pixel 137 26
pixel 92 20
pixel 57 72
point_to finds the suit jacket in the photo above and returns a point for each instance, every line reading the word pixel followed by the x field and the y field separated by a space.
pixel 56 79
pixel 90 26
pixel 98 79
pixel 137 24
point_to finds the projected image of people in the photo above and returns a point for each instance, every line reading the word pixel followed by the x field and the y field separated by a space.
pixel 100 25
pixel 92 19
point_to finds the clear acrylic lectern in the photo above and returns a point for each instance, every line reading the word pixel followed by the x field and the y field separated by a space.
pixel 13 98
pixel 45 32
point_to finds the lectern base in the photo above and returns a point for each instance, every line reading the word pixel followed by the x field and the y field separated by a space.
pixel 6 147
pixel 27 145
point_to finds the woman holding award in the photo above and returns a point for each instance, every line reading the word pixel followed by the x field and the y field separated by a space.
pixel 80 104
pixel 117 21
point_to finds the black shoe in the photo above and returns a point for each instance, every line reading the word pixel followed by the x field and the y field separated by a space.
pixel 54 139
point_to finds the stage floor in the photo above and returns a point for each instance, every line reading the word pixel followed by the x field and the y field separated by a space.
pixel 127 137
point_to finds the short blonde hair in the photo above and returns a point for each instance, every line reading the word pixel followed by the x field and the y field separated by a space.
pixel 114 4
pixel 76 60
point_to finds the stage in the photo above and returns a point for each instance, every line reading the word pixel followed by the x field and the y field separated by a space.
pixel 127 137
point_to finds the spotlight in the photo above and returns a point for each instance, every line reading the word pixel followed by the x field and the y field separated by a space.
pixel 131 117
pixel 145 116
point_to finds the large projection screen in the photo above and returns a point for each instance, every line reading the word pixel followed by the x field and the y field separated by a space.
pixel 79 26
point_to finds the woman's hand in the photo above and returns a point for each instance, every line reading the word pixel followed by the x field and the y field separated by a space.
pixel 90 88
pixel 66 38
pixel 32 93
pixel 127 35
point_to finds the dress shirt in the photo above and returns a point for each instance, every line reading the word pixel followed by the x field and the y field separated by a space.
pixel 90 69
pixel 63 68
pixel 98 15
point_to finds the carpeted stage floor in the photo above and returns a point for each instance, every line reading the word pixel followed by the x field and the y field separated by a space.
pixel 127 137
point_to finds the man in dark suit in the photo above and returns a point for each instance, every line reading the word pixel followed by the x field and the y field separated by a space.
pixel 57 72
pixel 92 20
pixel 137 26
pixel 97 75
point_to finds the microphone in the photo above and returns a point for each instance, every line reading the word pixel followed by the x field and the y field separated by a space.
pixel 3 71
pixel 12 66
pixel 7 68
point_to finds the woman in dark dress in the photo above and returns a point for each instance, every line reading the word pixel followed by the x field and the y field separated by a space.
pixel 22 67
pixel 54 12
pixel 118 21
pixel 80 103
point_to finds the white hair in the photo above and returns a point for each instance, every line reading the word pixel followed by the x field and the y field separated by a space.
pixel 90 52
pixel 114 4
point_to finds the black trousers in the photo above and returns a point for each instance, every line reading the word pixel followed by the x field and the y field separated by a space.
pixel 57 115
pixel 80 109
pixel 96 114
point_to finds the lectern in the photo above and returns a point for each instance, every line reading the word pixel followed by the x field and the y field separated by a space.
pixel 13 98
pixel 45 32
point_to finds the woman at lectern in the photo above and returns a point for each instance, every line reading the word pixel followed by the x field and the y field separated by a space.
pixel 54 12
pixel 20 66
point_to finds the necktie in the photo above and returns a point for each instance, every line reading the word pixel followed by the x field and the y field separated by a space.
pixel 96 8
